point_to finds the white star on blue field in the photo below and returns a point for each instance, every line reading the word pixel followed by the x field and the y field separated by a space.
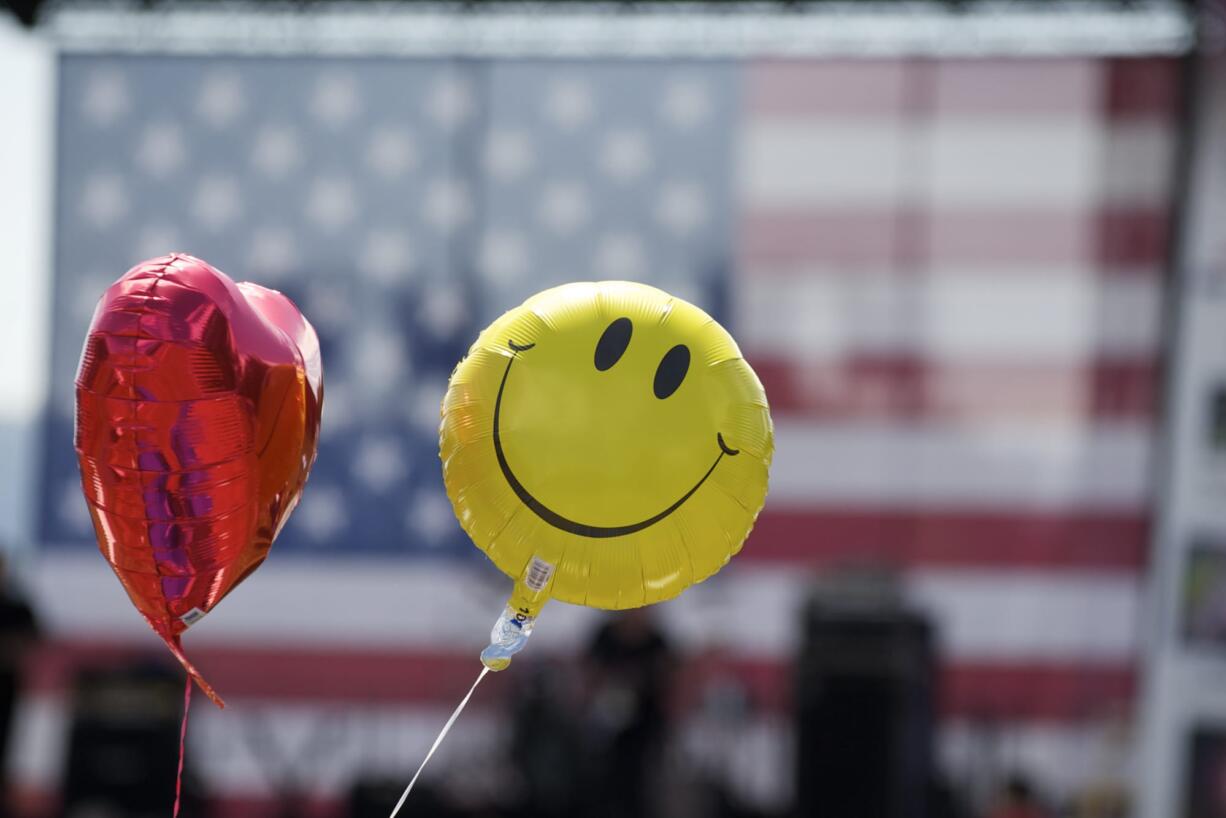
pixel 402 205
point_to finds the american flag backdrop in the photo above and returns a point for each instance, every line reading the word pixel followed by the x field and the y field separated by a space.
pixel 948 274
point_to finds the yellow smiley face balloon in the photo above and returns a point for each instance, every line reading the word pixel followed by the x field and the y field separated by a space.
pixel 606 445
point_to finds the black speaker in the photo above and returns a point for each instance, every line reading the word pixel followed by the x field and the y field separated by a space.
pixel 864 711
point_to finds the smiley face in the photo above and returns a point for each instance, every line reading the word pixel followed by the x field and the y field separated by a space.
pixel 608 428
pixel 610 348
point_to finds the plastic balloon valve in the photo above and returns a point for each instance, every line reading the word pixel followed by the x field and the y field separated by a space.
pixel 507 638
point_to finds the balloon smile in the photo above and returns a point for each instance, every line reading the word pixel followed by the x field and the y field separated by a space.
pixel 557 520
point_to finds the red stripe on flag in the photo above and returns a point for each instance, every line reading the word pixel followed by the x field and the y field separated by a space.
pixel 1040 692
pixel 1006 538
pixel 827 88
pixel 905 387
pixel 1017 88
pixel 843 89
pixel 843 238
pixel 1133 237
pixel 816 239
pixel 284 673
pixel 1008 691
pixel 336 675
pixel 1144 87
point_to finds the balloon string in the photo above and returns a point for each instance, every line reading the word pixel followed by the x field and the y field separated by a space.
pixel 176 647
pixel 446 729
pixel 187 704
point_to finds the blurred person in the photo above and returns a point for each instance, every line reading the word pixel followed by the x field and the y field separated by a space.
pixel 1106 792
pixel 630 669
pixel 18 636
pixel 122 742
pixel 545 747
pixel 944 799
pixel 1103 800
pixel 1206 789
pixel 1017 800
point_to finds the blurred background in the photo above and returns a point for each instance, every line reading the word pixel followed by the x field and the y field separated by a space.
pixel 974 252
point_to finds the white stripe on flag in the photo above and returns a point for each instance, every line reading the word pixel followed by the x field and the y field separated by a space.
pixel 1137 162
pixel 1065 161
pixel 748 609
pixel 1005 161
pixel 1103 466
pixel 795 163
pixel 1030 315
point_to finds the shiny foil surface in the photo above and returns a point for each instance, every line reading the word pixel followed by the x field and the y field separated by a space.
pixel 197 419
pixel 605 444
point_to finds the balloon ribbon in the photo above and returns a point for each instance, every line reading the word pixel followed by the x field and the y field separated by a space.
pixel 446 729
pixel 175 644
pixel 187 704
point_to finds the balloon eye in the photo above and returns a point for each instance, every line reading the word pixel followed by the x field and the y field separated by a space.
pixel 612 344
pixel 671 371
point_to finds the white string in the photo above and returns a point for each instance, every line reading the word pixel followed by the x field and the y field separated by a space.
pixel 446 729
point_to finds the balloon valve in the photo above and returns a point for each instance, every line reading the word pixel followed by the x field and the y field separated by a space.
pixel 508 637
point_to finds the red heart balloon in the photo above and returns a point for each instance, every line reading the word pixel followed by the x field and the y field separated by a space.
pixel 198 407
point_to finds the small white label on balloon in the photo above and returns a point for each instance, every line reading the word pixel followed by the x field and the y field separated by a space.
pixel 192 617
pixel 538 574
